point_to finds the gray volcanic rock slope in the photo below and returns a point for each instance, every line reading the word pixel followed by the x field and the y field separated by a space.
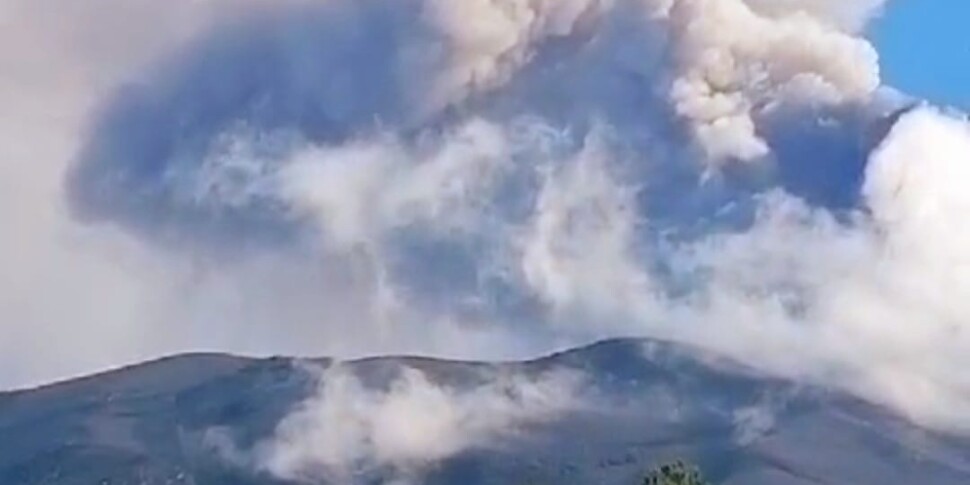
pixel 148 424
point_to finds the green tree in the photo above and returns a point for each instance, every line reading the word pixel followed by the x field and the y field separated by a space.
pixel 677 473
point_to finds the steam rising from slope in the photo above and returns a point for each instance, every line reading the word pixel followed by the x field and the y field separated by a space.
pixel 500 178
pixel 348 430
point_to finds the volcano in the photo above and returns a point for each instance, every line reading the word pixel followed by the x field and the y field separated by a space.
pixel 153 424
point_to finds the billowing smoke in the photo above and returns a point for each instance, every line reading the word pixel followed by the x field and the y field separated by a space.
pixel 349 431
pixel 481 179
pixel 734 61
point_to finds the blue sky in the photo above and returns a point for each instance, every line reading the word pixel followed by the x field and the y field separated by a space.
pixel 925 49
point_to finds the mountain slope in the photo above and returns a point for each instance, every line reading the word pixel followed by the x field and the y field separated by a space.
pixel 154 423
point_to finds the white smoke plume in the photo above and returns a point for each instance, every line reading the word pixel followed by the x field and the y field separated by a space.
pixel 735 61
pixel 486 52
pixel 872 304
pixel 431 224
pixel 851 16
pixel 349 430
pixel 360 191
pixel 577 253
pixel 733 58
